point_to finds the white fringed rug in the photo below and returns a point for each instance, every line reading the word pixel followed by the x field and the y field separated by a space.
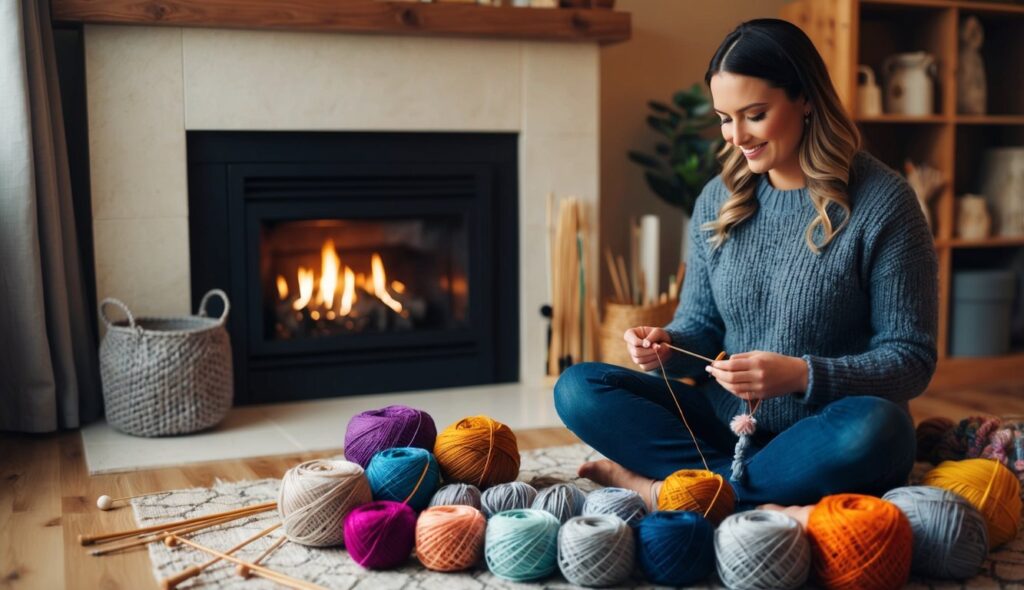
pixel 332 568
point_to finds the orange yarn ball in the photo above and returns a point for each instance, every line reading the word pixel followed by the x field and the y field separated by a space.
pixel 700 491
pixel 478 450
pixel 990 486
pixel 859 543
pixel 450 538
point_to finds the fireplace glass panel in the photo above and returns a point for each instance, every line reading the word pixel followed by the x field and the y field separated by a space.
pixel 338 277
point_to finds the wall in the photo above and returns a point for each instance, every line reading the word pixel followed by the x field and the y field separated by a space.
pixel 672 43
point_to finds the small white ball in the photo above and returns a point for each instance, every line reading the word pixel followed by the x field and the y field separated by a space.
pixel 104 502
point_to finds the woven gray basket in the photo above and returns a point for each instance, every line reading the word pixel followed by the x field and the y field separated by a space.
pixel 165 376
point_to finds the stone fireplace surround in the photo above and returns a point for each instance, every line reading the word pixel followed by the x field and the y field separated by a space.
pixel 146 86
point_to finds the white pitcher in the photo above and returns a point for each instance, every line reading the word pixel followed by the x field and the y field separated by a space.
pixel 909 86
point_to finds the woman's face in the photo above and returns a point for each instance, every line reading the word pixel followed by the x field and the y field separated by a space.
pixel 761 121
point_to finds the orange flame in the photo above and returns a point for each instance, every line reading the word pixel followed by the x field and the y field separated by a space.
pixel 330 264
pixel 305 288
pixel 380 282
pixel 348 294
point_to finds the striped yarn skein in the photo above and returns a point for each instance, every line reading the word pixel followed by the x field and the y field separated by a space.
pixel 407 474
pixel 514 495
pixel 380 535
pixel 990 487
pixel 950 535
pixel 315 497
pixel 457 493
pixel 626 504
pixel 450 538
pixel 522 545
pixel 564 500
pixel 478 450
pixel 595 550
pixel 675 548
pixel 762 550
pixel 859 543
pixel 386 428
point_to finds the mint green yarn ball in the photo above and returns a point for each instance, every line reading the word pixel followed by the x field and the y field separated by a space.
pixel 522 545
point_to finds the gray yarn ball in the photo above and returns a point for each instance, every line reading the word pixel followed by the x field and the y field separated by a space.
pixel 626 504
pixel 762 550
pixel 457 493
pixel 595 550
pixel 564 500
pixel 950 535
pixel 514 495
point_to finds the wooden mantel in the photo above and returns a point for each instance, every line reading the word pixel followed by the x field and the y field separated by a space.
pixel 357 16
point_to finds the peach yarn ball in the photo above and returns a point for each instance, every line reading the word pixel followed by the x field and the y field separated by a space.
pixel 450 538
pixel 478 450
pixel 859 543
pixel 700 491
pixel 990 486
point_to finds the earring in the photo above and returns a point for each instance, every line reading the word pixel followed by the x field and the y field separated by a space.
pixel 807 118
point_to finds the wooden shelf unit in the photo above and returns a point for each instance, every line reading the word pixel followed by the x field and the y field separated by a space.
pixel 357 16
pixel 852 32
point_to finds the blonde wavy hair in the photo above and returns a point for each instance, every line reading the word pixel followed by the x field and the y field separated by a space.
pixel 781 54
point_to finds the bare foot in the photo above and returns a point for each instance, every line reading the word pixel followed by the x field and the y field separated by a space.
pixel 800 513
pixel 611 474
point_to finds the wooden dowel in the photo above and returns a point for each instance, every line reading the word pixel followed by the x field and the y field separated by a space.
pixel 188 573
pixel 624 277
pixel 244 571
pixel 620 297
pixel 104 537
pixel 160 535
pixel 256 569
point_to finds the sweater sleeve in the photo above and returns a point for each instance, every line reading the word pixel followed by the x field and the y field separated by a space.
pixel 696 325
pixel 902 273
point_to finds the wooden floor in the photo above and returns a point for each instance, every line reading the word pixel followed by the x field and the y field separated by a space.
pixel 47 497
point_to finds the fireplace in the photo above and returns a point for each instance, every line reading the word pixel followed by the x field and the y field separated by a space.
pixel 358 262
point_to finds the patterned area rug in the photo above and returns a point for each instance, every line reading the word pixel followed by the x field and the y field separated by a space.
pixel 332 568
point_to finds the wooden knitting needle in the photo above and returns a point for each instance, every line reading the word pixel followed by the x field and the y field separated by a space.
pixel 105 502
pixel 161 534
pixel 105 537
pixel 258 570
pixel 188 573
pixel 243 570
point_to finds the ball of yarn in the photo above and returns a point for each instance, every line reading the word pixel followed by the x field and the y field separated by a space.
pixel 407 474
pixel 394 426
pixel 564 500
pixel 463 494
pixel 626 504
pixel 595 550
pixel 522 545
pixel 950 537
pixel 380 535
pixel 675 548
pixel 514 495
pixel 990 487
pixel 699 491
pixel 450 538
pixel 314 498
pixel 859 543
pixel 478 450
pixel 762 550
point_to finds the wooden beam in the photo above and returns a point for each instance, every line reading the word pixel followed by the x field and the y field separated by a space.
pixel 356 16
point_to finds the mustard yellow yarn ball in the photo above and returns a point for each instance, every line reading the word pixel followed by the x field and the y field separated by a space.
pixel 990 487
pixel 697 490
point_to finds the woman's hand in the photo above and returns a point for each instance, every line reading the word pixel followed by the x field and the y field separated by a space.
pixel 643 344
pixel 760 375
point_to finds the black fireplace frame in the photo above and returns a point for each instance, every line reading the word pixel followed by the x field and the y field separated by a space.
pixel 238 179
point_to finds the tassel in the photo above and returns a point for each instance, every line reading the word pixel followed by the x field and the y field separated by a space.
pixel 743 425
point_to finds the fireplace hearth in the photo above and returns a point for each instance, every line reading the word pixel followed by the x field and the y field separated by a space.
pixel 359 262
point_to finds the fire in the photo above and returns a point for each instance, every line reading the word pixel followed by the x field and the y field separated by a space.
pixel 329 264
pixel 305 288
pixel 282 287
pixel 348 295
pixel 331 274
pixel 380 282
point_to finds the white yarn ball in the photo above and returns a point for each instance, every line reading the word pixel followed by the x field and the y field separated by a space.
pixel 595 550
pixel 316 496
pixel 762 550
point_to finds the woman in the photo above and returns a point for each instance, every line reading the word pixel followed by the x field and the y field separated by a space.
pixel 811 263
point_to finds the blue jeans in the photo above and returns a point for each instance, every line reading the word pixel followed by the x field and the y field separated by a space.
pixel 856 444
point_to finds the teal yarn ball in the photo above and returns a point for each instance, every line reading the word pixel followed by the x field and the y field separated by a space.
pixel 762 550
pixel 408 475
pixel 564 500
pixel 522 545
pixel 950 535
pixel 626 504
pixel 675 548
pixel 595 550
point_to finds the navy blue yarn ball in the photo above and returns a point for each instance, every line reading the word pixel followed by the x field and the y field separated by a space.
pixel 675 548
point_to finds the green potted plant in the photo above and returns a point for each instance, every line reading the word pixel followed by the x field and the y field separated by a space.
pixel 684 153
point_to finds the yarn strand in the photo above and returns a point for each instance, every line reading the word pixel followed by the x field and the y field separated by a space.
pixel 682 415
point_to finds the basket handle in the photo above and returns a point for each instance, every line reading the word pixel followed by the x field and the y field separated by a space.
pixel 223 296
pixel 124 308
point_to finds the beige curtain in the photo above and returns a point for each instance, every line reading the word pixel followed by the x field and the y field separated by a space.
pixel 48 368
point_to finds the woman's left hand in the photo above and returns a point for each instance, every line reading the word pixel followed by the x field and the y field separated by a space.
pixel 760 375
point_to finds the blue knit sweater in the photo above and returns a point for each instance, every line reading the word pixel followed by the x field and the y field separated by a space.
pixel 862 313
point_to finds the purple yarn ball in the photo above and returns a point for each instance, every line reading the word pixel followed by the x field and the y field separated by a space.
pixel 394 426
pixel 380 535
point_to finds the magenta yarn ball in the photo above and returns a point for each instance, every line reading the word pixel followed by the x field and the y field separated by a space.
pixel 380 535
pixel 394 426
